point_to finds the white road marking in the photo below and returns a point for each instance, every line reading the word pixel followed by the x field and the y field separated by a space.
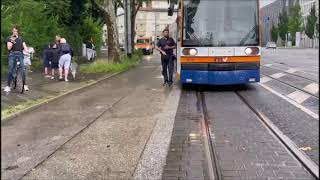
pixel 265 79
pixel 277 75
pixel 267 65
pixel 298 96
pixel 312 88
pixel 291 70
pixel 304 109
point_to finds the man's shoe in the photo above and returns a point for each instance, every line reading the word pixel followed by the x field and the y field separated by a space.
pixel 7 89
pixel 170 83
pixel 165 84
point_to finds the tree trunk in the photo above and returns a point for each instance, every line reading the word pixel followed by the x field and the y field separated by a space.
pixel 109 18
pixel 134 10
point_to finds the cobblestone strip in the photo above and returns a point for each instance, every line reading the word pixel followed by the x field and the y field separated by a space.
pixel 245 147
pixel 301 128
pixel 186 158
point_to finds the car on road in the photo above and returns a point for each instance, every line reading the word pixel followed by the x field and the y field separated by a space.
pixel 145 44
pixel 271 45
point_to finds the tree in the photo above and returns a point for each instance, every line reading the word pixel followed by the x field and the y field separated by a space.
pixel 107 11
pixel 135 6
pixel 317 30
pixel 283 25
pixel 274 33
pixel 311 23
pixel 295 21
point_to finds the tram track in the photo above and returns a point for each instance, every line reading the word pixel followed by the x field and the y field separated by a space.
pixel 290 85
pixel 296 75
pixel 214 172
pixel 305 161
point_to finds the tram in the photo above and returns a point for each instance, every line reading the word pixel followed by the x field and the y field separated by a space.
pixel 218 41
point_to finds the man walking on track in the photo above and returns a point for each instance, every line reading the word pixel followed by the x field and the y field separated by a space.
pixel 166 45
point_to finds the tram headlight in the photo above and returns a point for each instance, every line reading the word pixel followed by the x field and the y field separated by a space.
pixel 252 51
pixel 189 51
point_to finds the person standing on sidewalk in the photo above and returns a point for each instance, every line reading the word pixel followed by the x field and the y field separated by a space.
pixel 55 56
pixel 16 45
pixel 166 45
pixel 65 52
pixel 46 59
pixel 27 63
pixel 90 50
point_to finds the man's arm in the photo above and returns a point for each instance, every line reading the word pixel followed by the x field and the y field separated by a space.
pixel 160 50
pixel 10 43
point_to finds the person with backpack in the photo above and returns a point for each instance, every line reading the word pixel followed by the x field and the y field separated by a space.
pixel 15 45
pixel 54 57
pixel 65 52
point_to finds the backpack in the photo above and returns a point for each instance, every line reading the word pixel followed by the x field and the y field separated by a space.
pixel 65 48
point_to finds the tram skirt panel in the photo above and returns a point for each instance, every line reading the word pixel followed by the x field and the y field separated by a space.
pixel 220 77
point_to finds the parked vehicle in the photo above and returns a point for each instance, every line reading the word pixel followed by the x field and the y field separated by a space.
pixel 271 45
pixel 145 44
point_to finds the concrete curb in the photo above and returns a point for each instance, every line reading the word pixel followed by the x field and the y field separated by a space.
pixel 35 106
pixel 153 158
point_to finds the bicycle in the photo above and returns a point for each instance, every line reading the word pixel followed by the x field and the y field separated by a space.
pixel 19 78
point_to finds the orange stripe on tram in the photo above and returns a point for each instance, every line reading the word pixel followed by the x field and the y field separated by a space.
pixel 220 59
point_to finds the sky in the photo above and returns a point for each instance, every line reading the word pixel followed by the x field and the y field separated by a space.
pixel 266 2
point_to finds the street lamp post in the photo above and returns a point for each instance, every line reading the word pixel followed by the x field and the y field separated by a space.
pixel 127 24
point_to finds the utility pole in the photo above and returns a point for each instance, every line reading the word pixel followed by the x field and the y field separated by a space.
pixel 127 25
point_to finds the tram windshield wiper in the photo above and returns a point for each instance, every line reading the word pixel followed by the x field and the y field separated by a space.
pixel 251 34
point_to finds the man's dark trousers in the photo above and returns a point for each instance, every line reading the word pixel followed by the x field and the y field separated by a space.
pixel 167 67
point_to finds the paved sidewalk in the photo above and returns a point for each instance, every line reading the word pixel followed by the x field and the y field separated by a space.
pixel 41 87
pixel 99 132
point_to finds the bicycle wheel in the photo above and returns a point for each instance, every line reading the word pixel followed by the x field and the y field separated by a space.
pixel 20 82
pixel 13 83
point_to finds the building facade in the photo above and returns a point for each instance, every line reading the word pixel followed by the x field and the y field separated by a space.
pixel 151 19
pixel 270 17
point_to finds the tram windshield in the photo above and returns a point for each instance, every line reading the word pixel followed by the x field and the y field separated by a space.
pixel 218 23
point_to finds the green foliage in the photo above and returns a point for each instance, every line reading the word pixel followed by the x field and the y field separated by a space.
pixel 37 64
pixel 22 106
pixel 108 67
pixel 92 29
pixel 60 9
pixel 36 29
pixel 283 25
pixel 274 33
pixel 311 23
pixel 295 21
pixel 41 20
pixel 317 30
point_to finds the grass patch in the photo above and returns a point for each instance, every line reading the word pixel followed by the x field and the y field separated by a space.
pixel 102 66
pixel 22 106
pixel 36 64
pixel 4 70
